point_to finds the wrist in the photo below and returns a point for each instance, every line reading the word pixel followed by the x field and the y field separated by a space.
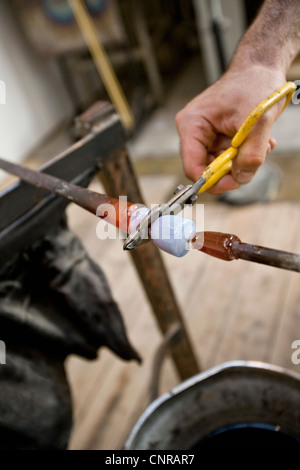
pixel 273 39
pixel 276 57
pixel 253 73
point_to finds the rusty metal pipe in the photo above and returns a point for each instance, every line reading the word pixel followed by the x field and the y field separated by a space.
pixel 83 197
pixel 113 210
pixel 228 247
pixel 220 245
pixel 260 254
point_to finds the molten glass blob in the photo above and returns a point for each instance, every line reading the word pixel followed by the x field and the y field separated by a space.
pixel 169 232
pixel 217 244
pixel 116 212
pixel 177 236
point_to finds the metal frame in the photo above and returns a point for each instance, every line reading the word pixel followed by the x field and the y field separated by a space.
pixel 28 212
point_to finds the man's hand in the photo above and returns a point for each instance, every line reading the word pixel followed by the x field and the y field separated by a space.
pixel 208 123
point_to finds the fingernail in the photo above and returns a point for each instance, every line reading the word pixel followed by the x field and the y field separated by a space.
pixel 243 177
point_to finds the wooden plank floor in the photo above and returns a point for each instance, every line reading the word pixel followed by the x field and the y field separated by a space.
pixel 233 310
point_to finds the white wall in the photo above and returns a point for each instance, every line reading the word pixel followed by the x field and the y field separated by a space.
pixel 36 100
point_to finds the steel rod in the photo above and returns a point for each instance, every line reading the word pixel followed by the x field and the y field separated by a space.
pixel 259 254
pixel 83 197
pixel 220 245
pixel 228 247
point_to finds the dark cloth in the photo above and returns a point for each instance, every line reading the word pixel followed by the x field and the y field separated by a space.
pixel 54 301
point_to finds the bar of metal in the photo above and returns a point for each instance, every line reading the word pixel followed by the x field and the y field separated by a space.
pixel 83 197
pixel 118 178
pixel 167 343
pixel 85 155
pixel 259 254
pixel 27 211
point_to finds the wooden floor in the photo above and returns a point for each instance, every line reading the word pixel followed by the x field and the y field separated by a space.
pixel 233 310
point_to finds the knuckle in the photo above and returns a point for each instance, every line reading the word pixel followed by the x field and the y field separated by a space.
pixel 252 160
pixel 266 118
pixel 179 117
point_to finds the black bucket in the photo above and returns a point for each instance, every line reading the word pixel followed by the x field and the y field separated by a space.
pixel 235 405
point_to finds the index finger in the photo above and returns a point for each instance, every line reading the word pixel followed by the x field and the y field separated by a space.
pixel 196 139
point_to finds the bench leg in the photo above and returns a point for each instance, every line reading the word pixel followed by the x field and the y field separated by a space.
pixel 118 178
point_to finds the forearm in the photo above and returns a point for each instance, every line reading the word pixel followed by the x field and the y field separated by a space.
pixel 273 40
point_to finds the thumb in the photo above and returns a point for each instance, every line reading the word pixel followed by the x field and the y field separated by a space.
pixel 253 151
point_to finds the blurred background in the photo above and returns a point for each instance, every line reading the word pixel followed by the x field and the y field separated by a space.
pixel 50 75
pixel 163 53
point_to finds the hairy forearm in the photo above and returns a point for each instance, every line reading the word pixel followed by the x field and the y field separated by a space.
pixel 274 37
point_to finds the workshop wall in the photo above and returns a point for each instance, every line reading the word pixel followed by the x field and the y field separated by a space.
pixel 36 101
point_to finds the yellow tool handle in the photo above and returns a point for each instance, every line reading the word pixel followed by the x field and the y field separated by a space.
pixel 286 90
pixel 216 166
pixel 222 164
pixel 226 168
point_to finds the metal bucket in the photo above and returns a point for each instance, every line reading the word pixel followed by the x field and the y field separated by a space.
pixel 233 405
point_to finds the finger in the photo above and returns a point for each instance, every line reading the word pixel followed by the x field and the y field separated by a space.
pixel 221 143
pixel 253 151
pixel 271 145
pixel 193 155
pixel 272 142
pixel 196 138
pixel 227 183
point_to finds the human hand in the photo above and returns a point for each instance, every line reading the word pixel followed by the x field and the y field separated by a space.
pixel 208 123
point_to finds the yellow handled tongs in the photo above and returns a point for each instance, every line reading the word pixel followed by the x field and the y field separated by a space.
pixel 212 173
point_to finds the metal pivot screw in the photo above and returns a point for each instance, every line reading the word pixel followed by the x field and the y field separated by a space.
pixel 191 201
pixel 179 188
